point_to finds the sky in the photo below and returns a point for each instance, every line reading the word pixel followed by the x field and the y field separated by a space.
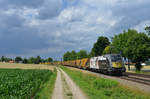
pixel 49 28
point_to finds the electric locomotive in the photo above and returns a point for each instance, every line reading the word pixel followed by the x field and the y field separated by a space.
pixel 108 64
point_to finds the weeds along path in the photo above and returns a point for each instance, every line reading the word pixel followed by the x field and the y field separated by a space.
pixel 65 88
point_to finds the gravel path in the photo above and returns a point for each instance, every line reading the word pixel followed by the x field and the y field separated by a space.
pixel 65 88
pixel 58 90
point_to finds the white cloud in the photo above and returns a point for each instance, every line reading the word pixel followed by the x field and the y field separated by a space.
pixel 53 27
pixel 140 27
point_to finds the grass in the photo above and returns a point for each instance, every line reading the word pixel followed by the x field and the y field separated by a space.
pixel 100 88
pixel 21 84
pixel 46 89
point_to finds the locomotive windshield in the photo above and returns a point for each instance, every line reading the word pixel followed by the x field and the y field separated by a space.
pixel 116 58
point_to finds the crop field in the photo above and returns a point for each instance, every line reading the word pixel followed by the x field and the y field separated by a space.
pixel 100 88
pixel 25 66
pixel 21 84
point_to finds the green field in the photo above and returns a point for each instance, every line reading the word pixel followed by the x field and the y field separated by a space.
pixel 23 84
pixel 100 88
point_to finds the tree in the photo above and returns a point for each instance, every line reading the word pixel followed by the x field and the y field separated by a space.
pixel 31 60
pixel 82 54
pixel 18 59
pixel 8 59
pixel 119 42
pixel 3 58
pixel 37 60
pixel 67 56
pixel 107 50
pixel 147 28
pixel 138 49
pixel 49 59
pixel 73 55
pixel 25 61
pixel 44 60
pixel 132 45
pixel 99 46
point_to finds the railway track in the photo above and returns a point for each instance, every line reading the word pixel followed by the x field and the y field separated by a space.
pixel 139 78
pixel 140 75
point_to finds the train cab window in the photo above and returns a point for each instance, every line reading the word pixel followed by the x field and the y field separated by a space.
pixel 115 58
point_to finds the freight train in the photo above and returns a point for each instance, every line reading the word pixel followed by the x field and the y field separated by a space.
pixel 107 64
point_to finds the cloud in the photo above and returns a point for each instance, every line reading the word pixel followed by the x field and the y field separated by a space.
pixel 141 26
pixel 52 27
pixel 50 8
pixel 7 4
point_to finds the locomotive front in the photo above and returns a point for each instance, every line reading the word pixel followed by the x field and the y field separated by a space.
pixel 116 63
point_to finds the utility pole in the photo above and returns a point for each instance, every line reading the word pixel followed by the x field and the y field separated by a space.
pixel 61 61
pixel 128 65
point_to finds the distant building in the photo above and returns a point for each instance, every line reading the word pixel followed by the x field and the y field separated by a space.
pixel 143 64
pixel 20 62
pixel 11 61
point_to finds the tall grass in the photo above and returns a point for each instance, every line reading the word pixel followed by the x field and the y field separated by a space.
pixel 46 90
pixel 101 88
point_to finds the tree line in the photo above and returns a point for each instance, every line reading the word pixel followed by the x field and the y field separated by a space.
pixel 75 55
pixel 31 60
pixel 131 44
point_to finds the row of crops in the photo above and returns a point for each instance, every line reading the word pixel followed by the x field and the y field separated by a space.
pixel 21 84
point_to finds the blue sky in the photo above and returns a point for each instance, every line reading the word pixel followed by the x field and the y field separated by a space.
pixel 51 27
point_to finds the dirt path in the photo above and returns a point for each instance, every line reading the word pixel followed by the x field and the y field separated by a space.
pixel 65 88
pixel 58 90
